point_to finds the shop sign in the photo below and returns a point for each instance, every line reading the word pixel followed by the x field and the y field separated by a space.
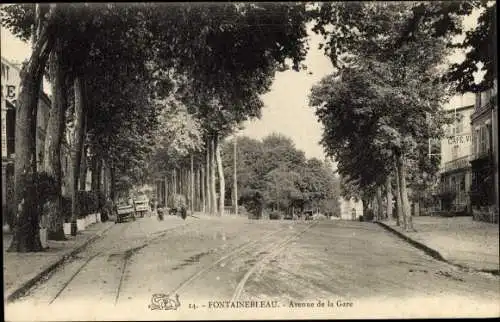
pixel 460 139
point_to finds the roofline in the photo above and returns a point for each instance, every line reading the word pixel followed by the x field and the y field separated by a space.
pixel 458 109
pixel 12 64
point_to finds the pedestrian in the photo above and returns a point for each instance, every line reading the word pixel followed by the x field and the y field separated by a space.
pixel 159 212
pixel 183 212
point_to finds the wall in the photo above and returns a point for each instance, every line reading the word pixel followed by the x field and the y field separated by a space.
pixel 458 137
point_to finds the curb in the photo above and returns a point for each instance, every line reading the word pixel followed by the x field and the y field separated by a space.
pixel 21 290
pixel 432 252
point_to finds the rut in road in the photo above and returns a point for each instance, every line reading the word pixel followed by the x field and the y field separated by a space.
pixel 126 257
pixel 240 250
pixel 275 250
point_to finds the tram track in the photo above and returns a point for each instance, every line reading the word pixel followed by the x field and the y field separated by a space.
pixel 238 250
pixel 275 249
pixel 121 260
pixel 126 257
pixel 260 254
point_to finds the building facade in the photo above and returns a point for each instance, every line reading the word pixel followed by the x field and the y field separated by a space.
pixel 484 159
pixel 350 209
pixel 10 89
pixel 455 171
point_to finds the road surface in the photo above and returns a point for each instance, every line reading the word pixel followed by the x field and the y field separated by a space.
pixel 240 268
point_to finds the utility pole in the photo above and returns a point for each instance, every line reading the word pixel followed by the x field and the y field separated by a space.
pixel 191 179
pixel 235 179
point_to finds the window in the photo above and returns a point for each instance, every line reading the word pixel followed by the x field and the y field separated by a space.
pixel 462 182
pixel 485 97
pixel 488 137
pixel 483 139
pixel 478 101
pixel 477 140
pixel 454 152
pixel 453 185
pixel 459 127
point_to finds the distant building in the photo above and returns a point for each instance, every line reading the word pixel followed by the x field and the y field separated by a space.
pixel 455 171
pixel 484 160
pixel 350 209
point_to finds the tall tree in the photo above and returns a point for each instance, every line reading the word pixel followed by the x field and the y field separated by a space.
pixel 26 233
pixel 383 94
pixel 53 141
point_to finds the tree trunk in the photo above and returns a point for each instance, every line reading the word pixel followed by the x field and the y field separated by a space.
pixel 380 206
pixel 408 224
pixel 196 189
pixel 181 181
pixel 83 168
pixel 112 183
pixel 192 184
pixel 388 190
pixel 187 183
pixel 203 184
pixel 26 234
pixel 235 179
pixel 102 182
pixel 366 207
pixel 213 176
pixel 76 148
pixel 98 188
pixel 95 173
pixel 166 190
pixel 399 203
pixel 53 142
pixel 174 175
pixel 222 181
pixel 208 179
pixel 200 187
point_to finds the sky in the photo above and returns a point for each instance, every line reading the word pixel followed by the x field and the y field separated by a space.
pixel 286 108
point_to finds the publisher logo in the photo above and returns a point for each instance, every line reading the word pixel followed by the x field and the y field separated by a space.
pixel 162 301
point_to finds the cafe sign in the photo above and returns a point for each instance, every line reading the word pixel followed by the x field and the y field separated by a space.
pixel 459 139
pixel 9 92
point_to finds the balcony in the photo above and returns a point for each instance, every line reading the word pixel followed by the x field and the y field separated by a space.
pixel 485 154
pixel 457 164
pixel 482 107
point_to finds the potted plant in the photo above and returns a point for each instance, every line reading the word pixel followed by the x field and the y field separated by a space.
pixel 43 237
pixel 88 220
pixel 43 232
pixel 81 223
pixel 67 228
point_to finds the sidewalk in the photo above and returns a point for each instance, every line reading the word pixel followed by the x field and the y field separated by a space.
pixel 459 240
pixel 22 270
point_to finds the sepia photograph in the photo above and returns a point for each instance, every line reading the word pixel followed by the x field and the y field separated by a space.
pixel 250 160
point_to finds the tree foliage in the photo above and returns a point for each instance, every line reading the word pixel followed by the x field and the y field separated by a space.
pixel 280 175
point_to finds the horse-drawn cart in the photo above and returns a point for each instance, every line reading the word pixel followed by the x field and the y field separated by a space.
pixel 124 212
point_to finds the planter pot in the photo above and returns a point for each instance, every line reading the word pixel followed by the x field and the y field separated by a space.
pixel 80 224
pixel 43 237
pixel 98 217
pixel 88 220
pixel 67 228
